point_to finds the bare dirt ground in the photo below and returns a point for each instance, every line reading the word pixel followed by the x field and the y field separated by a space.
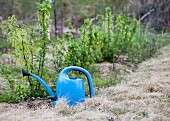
pixel 143 95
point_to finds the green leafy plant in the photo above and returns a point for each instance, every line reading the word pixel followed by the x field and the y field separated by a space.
pixel 29 51
pixel 58 53
pixel 80 50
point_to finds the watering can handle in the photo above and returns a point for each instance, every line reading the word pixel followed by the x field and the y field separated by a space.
pixel 89 78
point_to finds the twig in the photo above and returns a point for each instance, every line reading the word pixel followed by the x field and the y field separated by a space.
pixel 146 15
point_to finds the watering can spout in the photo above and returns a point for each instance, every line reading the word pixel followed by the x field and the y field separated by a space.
pixel 24 73
pixel 49 90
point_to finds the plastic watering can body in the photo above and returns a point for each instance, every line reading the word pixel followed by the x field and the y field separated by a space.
pixel 72 89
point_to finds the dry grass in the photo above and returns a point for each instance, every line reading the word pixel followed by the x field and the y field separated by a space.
pixel 92 109
pixel 143 95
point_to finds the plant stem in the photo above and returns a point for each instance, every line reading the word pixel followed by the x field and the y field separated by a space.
pixel 26 62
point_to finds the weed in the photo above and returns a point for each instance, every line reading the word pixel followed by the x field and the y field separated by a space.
pixel 117 111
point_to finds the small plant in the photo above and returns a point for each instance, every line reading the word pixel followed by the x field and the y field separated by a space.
pixel 80 50
pixel 117 111
pixel 29 51
pixel 58 53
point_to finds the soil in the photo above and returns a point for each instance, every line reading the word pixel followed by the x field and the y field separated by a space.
pixel 143 95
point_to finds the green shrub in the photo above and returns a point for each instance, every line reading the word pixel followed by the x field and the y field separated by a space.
pixel 29 52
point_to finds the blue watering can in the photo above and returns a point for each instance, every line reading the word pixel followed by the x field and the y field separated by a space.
pixel 66 87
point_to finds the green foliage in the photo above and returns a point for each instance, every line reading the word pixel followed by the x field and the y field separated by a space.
pixel 80 50
pixel 16 91
pixel 44 22
pixel 29 52
pixel 105 41
pixel 144 45
pixel 117 111
pixel 17 36
pixel 58 53
pixel 4 44
pixel 112 36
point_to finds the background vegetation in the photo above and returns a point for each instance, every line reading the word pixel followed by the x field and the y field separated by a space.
pixel 43 38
